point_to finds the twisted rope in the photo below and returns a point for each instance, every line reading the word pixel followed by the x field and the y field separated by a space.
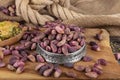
pixel 29 10
pixel 24 10
pixel 40 11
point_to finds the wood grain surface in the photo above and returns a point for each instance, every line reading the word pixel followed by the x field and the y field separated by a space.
pixel 111 71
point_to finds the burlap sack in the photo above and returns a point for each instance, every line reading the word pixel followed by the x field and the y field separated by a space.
pixel 5 3
pixel 85 13
pixel 98 13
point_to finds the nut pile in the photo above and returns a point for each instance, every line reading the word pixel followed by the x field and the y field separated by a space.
pixel 22 52
pixel 10 10
pixel 92 71
pixel 48 69
pixel 62 39
pixel 57 38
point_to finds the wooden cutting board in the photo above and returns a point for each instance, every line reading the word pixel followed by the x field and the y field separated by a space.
pixel 111 71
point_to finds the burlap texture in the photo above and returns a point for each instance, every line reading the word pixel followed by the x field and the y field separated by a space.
pixel 85 13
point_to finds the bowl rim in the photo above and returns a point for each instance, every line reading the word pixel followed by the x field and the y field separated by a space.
pixel 50 53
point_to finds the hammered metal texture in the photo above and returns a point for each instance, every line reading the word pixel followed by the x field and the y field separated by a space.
pixel 61 58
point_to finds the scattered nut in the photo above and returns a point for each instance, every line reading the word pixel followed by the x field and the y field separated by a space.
pixel 98 71
pixel 102 62
pixel 98 66
pixel 57 73
pixel 88 69
pixel 48 72
pixel 16 53
pixel 10 67
pixel 20 69
pixel 6 52
pixel 71 74
pixel 99 36
pixel 40 58
pixel 43 68
pixel 96 48
pixel 91 74
pixel 13 59
pixel 79 67
pixel 31 58
pixel 87 58
pixel 18 63
pixel 39 66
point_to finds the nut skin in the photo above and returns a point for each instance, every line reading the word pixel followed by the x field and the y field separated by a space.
pixel 48 72
pixel 57 73
pixel 31 58
pixel 59 29
pixel 16 53
pixel 48 48
pixel 51 37
pixel 65 50
pixel 79 68
pixel 59 50
pixel 99 36
pixel 87 58
pixel 43 68
pixel 18 63
pixel 95 48
pixel 53 47
pixel 40 58
pixel 97 65
pixel 39 66
pixel 63 41
pixel 102 62
pixel 98 71
pixel 13 59
pixel 71 74
pixel 82 42
pixel 33 46
pixel 53 32
pixel 88 69
pixel 67 31
pixel 59 37
pixel 6 52
pixel 20 69
pixel 70 36
pixel 76 35
pixel 73 43
pixel 10 67
pixel 91 75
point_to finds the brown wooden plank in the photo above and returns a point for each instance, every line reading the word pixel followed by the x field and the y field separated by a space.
pixel 112 71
